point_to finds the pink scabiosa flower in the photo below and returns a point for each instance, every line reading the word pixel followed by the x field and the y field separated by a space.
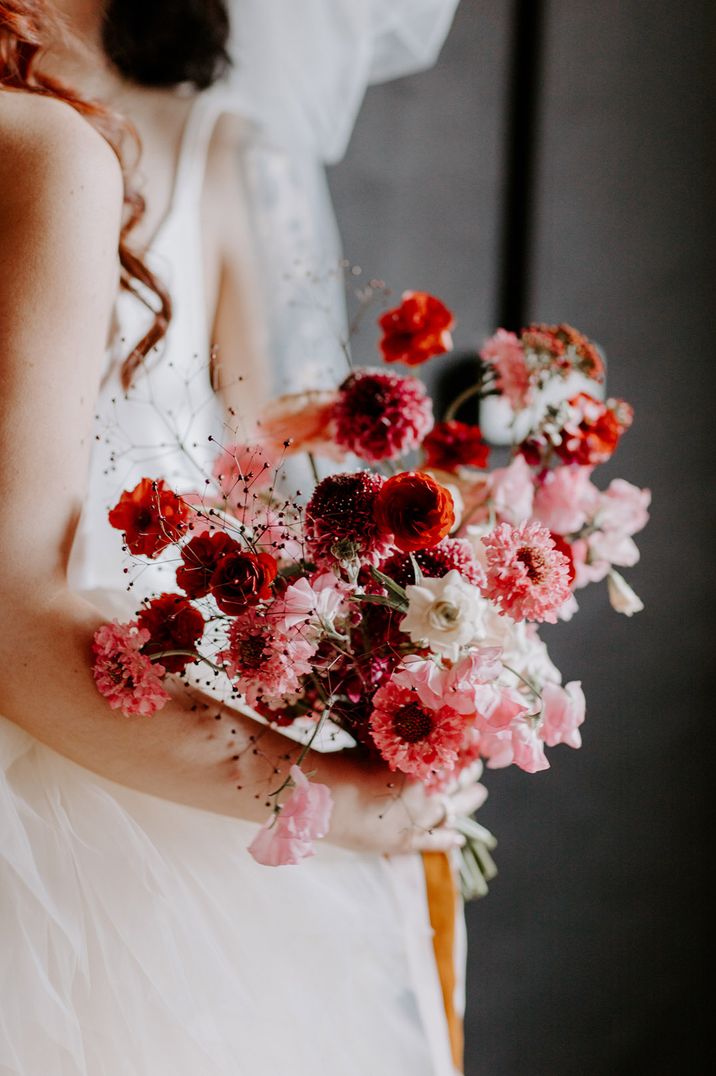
pixel 380 415
pixel 563 714
pixel 340 520
pixel 305 817
pixel 506 355
pixel 435 561
pixel 527 577
pixel 263 661
pixel 412 737
pixel 128 679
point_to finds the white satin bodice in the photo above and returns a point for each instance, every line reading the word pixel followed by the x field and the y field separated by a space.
pixel 160 427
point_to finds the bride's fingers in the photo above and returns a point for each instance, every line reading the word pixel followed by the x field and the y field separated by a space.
pixel 467 800
pixel 435 840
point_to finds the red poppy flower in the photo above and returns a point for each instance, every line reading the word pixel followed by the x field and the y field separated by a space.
pixel 242 579
pixel 200 558
pixel 151 515
pixel 173 623
pixel 416 330
pixel 415 509
pixel 450 445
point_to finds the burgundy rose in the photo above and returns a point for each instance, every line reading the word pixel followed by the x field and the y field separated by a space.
pixel 173 623
pixel 242 579
pixel 200 558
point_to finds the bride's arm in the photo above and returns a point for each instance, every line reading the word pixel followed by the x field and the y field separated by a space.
pixel 59 220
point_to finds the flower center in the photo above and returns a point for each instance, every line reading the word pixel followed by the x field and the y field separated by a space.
pixel 534 561
pixel 251 651
pixel 412 723
pixel 143 519
pixel 443 615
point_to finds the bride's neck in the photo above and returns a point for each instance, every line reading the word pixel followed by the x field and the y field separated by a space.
pixel 77 56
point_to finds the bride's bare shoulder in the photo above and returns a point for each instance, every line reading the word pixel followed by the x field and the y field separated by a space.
pixel 48 152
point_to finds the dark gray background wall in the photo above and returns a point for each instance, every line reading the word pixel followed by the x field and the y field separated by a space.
pixel 585 956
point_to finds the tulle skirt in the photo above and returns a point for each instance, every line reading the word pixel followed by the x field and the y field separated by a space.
pixel 139 938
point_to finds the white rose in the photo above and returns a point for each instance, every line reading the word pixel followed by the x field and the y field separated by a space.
pixel 444 613
pixel 621 596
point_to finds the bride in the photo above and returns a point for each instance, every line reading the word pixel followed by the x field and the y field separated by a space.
pixel 137 936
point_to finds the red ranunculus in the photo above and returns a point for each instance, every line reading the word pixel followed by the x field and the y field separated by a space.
pixel 242 579
pixel 416 330
pixel 200 558
pixel 173 623
pixel 151 515
pixel 450 445
pixel 415 509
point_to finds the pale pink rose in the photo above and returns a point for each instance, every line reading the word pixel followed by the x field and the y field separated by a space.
pixel 303 422
pixel 563 714
pixel 304 818
pixel 512 491
pixel 565 499
pixel 623 508
pixel 506 354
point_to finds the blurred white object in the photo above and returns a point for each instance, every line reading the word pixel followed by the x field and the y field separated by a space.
pixel 500 425
pixel 300 74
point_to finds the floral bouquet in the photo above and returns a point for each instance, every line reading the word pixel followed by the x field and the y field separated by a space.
pixel 398 606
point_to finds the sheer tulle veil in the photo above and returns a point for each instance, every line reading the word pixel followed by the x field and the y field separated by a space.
pixel 299 76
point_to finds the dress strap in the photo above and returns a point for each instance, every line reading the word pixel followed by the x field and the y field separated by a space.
pixel 191 162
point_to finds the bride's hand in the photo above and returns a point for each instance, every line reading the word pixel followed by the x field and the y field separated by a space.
pixel 376 810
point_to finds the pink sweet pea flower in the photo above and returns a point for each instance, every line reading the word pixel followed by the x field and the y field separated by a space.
pixel 566 499
pixel 623 508
pixel 518 744
pixel 563 714
pixel 319 601
pixel 512 491
pixel 425 678
pixel 303 819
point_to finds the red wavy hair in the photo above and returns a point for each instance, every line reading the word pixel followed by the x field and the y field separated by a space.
pixel 26 29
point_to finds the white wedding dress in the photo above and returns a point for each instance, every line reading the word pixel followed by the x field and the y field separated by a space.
pixel 138 937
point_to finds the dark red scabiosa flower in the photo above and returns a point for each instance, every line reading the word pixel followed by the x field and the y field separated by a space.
pixel 340 520
pixel 152 516
pixel 173 623
pixel 593 430
pixel 200 558
pixel 435 562
pixel 453 444
pixel 381 416
pixel 415 509
pixel 242 579
pixel 416 330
